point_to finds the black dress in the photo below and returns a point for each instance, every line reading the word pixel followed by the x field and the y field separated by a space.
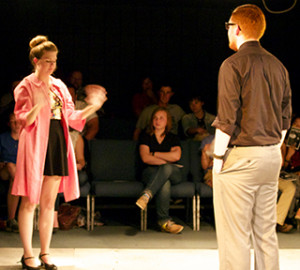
pixel 56 162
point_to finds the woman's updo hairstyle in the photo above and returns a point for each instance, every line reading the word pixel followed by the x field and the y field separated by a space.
pixel 38 45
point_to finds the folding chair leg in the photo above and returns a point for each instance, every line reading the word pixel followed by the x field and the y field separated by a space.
pixel 194 213
pixel 93 213
pixel 144 220
pixel 198 212
pixel 88 212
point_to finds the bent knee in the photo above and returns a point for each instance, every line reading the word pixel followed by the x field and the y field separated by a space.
pixel 167 168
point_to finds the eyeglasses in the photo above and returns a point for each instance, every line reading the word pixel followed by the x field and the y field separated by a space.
pixel 228 24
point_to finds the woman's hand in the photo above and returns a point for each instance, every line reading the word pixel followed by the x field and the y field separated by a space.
pixel 95 95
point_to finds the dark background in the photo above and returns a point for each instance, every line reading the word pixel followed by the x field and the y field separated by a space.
pixel 116 42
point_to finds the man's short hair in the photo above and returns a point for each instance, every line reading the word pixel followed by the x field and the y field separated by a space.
pixel 250 19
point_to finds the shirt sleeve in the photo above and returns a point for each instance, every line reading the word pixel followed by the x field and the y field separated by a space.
pixel 187 123
pixel 144 139
pixel 228 99
pixel 286 105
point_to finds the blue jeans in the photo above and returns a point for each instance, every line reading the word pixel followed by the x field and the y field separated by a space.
pixel 158 180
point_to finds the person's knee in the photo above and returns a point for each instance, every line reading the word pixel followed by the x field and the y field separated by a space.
pixel 26 205
pixel 167 169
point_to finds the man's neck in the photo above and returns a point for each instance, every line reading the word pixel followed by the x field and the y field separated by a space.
pixel 161 104
pixel 199 114
pixel 241 41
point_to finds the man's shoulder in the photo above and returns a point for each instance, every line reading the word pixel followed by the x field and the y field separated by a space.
pixel 149 109
pixel 209 115
pixel 175 108
pixel 189 116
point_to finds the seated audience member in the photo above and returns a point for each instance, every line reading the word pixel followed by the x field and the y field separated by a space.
pixel 291 164
pixel 147 97
pixel 197 125
pixel 91 127
pixel 164 95
pixel 78 145
pixel 159 151
pixel 287 189
pixel 8 155
pixel 207 149
pixel 76 79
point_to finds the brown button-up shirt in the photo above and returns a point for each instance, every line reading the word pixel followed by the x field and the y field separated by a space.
pixel 254 97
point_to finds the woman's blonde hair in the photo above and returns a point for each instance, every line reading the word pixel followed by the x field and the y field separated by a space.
pixel 38 45
pixel 251 20
pixel 169 121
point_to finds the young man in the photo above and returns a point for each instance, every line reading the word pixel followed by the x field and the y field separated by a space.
pixel 254 112
pixel 197 125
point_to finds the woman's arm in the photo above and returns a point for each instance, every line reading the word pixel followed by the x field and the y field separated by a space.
pixel 172 156
pixel 206 161
pixel 148 158
pixel 79 153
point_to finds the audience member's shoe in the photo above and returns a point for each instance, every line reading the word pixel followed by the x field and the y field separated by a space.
pixel 285 228
pixel 12 226
pixel 297 216
pixel 143 201
pixel 171 227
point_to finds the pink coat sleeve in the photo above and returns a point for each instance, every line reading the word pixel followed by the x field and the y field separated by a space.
pixel 23 106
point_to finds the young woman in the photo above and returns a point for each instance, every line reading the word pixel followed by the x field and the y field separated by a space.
pixel 160 150
pixel 45 163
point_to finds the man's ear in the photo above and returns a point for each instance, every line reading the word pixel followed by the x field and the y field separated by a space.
pixel 238 30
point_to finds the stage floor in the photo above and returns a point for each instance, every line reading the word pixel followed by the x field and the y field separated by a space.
pixel 127 248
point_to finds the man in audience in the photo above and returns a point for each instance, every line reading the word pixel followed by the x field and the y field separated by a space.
pixel 164 95
pixel 91 127
pixel 8 155
pixel 145 98
pixel 76 79
pixel 197 125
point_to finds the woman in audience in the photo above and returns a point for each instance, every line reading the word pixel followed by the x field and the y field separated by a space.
pixel 45 160
pixel 160 150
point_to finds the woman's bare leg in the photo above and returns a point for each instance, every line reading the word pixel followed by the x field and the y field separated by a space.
pixel 48 196
pixel 26 213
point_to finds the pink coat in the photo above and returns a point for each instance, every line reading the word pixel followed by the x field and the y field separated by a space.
pixel 33 140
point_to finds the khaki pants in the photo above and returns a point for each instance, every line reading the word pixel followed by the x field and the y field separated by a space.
pixel 288 190
pixel 245 194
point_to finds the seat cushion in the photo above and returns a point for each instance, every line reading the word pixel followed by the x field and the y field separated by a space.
pixel 204 190
pixel 183 190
